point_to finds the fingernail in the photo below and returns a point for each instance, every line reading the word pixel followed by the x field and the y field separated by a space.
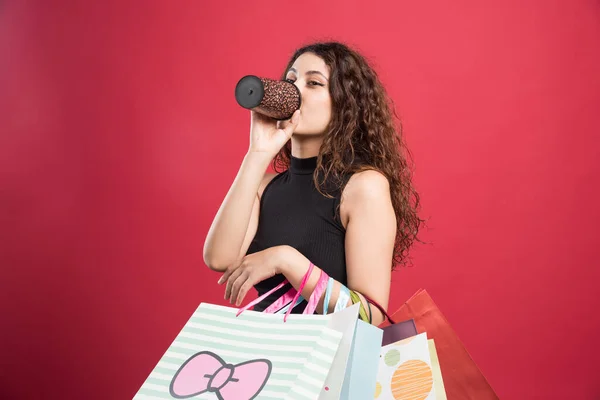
pixel 295 117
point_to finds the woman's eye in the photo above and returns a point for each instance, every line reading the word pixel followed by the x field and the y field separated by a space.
pixel 309 83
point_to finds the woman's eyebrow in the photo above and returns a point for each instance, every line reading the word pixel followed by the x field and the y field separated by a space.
pixel 310 73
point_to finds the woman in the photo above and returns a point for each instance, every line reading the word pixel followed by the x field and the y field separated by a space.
pixel 345 202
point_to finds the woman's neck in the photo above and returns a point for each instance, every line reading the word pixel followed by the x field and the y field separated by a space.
pixel 306 146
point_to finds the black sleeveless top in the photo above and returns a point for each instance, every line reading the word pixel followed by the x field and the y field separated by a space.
pixel 294 213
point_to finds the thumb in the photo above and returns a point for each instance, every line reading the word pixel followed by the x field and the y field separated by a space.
pixel 290 125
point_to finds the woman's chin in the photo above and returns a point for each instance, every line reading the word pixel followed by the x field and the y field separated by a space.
pixel 306 133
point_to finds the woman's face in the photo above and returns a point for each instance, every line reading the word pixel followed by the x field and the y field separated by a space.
pixel 311 75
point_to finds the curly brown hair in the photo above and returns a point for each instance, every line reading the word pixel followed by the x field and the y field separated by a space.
pixel 364 133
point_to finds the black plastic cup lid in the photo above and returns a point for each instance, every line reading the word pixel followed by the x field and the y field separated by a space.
pixel 249 91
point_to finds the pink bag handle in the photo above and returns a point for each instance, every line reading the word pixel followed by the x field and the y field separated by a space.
pixel 312 302
pixel 302 284
pixel 320 288
pixel 261 298
pixel 278 304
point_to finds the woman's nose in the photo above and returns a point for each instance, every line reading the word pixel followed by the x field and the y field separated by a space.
pixel 299 86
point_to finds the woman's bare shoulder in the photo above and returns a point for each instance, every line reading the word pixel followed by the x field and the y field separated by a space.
pixel 364 187
pixel 367 184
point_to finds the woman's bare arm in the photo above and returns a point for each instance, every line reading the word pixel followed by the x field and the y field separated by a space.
pixel 236 221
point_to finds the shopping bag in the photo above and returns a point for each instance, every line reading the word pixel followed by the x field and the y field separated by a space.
pixel 220 355
pixel 345 322
pixel 438 380
pixel 405 370
pixel 361 370
pixel 399 331
pixel 462 378
pixel 393 331
pixel 314 373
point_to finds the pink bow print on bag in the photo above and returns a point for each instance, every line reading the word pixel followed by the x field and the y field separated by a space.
pixel 207 372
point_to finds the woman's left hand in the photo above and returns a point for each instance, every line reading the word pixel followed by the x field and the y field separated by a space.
pixel 253 268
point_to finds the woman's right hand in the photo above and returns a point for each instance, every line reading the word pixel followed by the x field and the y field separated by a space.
pixel 268 135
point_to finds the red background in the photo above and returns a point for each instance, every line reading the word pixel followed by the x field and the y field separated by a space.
pixel 120 136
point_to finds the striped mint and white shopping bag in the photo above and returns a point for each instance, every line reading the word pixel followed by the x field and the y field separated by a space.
pixel 218 356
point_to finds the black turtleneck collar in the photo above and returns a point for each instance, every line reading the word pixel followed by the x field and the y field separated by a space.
pixel 303 166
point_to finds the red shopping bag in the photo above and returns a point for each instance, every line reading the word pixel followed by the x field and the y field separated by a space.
pixel 462 378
